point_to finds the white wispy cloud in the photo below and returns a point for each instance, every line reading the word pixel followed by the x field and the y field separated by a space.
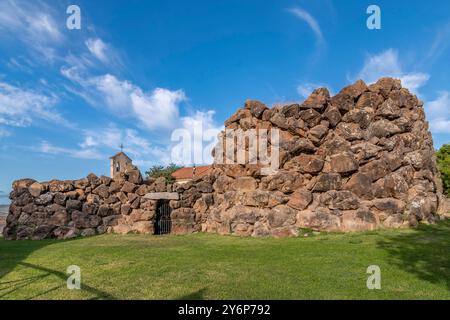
pixel 20 107
pixel 310 21
pixel 99 84
pixel 200 130
pixel 39 28
pixel 440 43
pixel 33 24
pixel 104 52
pixel 98 48
pixel 438 113
pixel 101 143
pixel 20 64
pixel 116 94
pixel 414 81
pixel 4 133
pixel 387 64
pixel 48 148
pixel 199 127
pixel 440 106
pixel 110 138
pixel 156 109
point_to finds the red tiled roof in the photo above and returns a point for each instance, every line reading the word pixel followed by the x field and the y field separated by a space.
pixel 187 173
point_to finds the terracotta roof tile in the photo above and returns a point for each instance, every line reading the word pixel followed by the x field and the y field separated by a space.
pixel 187 172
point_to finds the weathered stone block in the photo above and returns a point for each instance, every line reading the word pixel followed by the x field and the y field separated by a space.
pixel 344 163
pixel 244 184
pixel 328 181
pixel 128 187
pixel 162 196
pixel 281 216
pixel 300 199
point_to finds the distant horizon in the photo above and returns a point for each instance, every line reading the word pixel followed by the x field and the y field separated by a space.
pixel 4 205
pixel 4 198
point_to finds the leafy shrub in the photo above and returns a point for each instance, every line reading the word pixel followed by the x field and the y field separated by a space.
pixel 161 171
pixel 443 162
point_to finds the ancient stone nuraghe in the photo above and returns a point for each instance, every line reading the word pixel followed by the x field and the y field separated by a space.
pixel 360 160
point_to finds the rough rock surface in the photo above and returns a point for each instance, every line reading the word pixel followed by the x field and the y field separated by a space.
pixel 96 205
pixel 360 160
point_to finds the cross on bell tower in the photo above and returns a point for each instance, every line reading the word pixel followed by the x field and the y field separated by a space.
pixel 119 162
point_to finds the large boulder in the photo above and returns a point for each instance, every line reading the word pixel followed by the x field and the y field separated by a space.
pixel 306 163
pixel 344 163
pixel 36 189
pixel 42 232
pixel 318 219
pixel 133 174
pixel 256 108
pixel 359 220
pixel 328 181
pixel 282 216
pixel 342 200
pixel 61 186
pixel 300 199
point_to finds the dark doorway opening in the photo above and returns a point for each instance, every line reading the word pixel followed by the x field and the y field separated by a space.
pixel 163 224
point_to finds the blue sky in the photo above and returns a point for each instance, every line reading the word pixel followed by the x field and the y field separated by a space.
pixel 137 70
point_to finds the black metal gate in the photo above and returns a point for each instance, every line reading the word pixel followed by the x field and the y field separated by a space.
pixel 163 224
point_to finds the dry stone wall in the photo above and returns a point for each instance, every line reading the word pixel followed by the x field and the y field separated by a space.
pixel 96 205
pixel 360 160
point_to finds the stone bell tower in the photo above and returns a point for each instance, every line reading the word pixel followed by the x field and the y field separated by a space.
pixel 118 163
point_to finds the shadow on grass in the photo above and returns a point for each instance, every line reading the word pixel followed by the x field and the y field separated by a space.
pixel 424 252
pixel 9 287
pixel 63 276
pixel 13 253
pixel 196 295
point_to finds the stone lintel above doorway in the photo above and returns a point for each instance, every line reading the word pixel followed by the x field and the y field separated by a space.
pixel 162 196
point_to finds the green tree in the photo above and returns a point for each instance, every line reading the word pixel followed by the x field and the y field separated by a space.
pixel 161 171
pixel 443 162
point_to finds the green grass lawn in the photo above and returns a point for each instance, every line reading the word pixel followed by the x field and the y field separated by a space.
pixel 415 264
